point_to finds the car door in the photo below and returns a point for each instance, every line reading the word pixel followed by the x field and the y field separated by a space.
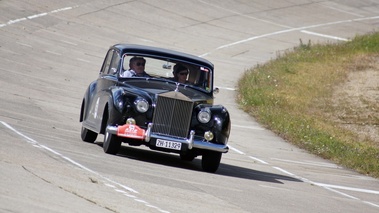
pixel 107 79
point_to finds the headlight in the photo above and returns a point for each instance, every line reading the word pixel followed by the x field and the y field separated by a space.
pixel 204 115
pixel 141 105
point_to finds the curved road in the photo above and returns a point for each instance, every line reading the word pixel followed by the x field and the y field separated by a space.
pixel 51 50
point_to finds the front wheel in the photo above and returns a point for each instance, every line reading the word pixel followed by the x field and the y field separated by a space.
pixel 88 135
pixel 112 143
pixel 211 161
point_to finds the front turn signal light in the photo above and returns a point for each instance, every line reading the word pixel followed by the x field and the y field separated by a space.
pixel 208 136
pixel 131 121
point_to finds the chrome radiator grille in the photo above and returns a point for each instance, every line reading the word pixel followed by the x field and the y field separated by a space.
pixel 172 114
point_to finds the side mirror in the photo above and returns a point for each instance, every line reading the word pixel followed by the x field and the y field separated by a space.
pixel 166 66
pixel 216 90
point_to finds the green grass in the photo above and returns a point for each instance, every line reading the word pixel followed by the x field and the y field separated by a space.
pixel 292 96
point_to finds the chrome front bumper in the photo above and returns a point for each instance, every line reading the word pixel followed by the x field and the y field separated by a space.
pixel 191 142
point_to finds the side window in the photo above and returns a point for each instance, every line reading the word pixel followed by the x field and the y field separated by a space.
pixel 114 66
pixel 107 62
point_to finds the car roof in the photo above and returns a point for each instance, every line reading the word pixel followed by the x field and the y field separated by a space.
pixel 149 50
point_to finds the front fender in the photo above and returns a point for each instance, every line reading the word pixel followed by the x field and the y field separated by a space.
pixel 119 99
pixel 221 124
pixel 88 96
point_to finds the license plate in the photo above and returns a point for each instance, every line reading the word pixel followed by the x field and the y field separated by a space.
pixel 168 144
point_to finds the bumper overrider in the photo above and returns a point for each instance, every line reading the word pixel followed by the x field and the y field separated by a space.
pixel 135 132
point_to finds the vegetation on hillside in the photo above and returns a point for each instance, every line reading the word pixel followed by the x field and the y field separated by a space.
pixel 294 96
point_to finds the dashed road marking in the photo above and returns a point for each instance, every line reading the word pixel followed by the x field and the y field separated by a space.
pixel 324 35
pixel 10 22
pixel 106 181
pixel 288 31
pixel 329 187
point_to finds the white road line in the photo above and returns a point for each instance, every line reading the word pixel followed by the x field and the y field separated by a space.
pixel 340 10
pixel 15 21
pixel 341 193
pixel 63 9
pixel 68 42
pixel 26 45
pixel 236 150
pixel 284 171
pixel 141 201
pixel 323 35
pixel 107 182
pixel 333 188
pixel 242 153
pixel 328 165
pixel 259 160
pixel 83 60
pixel 349 188
pixel 287 31
pixel 244 15
pixel 54 53
pixel 329 187
pixel 10 22
pixel 372 204
pixel 247 127
pixel 303 30
pixel 36 144
pixel 226 88
pixel 37 15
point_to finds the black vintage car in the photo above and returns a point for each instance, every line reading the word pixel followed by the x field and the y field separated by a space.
pixel 150 107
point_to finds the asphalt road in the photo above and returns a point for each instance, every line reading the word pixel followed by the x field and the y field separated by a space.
pixel 51 50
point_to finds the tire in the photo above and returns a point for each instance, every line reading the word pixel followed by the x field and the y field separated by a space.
pixel 112 143
pixel 88 135
pixel 211 161
pixel 188 156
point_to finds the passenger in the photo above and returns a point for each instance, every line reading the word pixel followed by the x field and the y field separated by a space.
pixel 136 68
pixel 180 73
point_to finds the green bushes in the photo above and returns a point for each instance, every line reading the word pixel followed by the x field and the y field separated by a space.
pixel 293 96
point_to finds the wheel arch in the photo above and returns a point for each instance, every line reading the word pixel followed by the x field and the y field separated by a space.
pixel 222 124
pixel 104 121
pixel 86 101
pixel 81 118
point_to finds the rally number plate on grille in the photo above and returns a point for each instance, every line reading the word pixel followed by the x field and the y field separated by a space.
pixel 168 144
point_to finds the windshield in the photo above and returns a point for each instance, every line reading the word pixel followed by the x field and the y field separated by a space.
pixel 167 69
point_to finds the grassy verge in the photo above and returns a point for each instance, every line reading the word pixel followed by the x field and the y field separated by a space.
pixel 293 96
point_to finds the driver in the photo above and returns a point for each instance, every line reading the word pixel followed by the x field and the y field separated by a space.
pixel 136 68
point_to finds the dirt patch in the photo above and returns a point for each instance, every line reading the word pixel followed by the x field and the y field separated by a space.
pixel 358 100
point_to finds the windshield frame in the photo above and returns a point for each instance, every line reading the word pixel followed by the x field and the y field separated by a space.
pixel 197 72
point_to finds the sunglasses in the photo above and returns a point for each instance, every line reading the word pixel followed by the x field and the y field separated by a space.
pixel 140 64
pixel 183 73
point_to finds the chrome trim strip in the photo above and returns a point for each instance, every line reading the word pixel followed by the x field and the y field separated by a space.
pixel 112 129
pixel 148 132
pixel 190 140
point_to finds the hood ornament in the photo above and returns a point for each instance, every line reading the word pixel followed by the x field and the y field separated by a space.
pixel 177 87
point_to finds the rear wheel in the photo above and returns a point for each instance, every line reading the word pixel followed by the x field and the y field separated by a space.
pixel 211 161
pixel 111 144
pixel 88 135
